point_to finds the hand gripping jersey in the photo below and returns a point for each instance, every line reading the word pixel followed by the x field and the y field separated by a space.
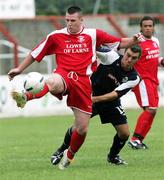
pixel 147 65
pixel 74 52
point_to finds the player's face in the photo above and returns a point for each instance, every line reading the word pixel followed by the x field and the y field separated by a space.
pixel 147 28
pixel 129 59
pixel 73 22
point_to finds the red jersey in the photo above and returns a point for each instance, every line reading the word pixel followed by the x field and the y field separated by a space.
pixel 74 52
pixel 147 65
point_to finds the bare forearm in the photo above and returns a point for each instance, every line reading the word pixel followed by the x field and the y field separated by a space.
pixel 18 70
pixel 106 97
pixel 27 62
pixel 127 42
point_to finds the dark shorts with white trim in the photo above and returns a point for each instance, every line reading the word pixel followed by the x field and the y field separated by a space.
pixel 110 112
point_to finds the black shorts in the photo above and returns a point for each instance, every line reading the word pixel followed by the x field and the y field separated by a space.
pixel 110 113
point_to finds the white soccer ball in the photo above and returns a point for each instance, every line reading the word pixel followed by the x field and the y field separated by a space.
pixel 34 82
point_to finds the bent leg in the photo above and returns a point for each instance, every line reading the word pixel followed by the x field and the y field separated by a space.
pixel 79 133
pixel 58 154
pixel 77 138
pixel 54 84
pixel 147 97
pixel 119 140
pixel 143 124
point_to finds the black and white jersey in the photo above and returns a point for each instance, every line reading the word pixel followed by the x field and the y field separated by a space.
pixel 111 76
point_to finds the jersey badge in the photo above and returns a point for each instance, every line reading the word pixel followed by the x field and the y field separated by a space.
pixel 125 79
pixel 81 39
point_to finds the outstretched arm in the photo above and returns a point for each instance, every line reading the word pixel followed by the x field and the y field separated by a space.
pixel 27 62
pixel 121 90
pixel 106 97
pixel 127 42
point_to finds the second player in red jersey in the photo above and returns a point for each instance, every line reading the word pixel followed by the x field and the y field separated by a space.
pixel 147 91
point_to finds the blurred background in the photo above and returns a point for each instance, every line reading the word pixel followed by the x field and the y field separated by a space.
pixel 51 7
pixel 23 24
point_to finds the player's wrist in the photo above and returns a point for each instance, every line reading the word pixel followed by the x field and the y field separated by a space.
pixel 139 37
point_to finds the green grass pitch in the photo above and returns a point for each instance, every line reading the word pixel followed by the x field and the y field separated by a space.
pixel 26 145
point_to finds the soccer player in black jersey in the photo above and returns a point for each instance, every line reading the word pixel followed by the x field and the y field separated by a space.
pixel 114 77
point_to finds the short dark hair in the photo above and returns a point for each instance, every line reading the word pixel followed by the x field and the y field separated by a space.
pixel 74 9
pixel 145 18
pixel 136 49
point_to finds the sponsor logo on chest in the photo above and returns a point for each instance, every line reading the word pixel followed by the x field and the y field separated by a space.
pixel 80 46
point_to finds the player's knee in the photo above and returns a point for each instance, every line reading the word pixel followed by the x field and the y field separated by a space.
pixel 124 135
pixel 51 84
pixel 152 111
pixel 82 130
pixel 55 84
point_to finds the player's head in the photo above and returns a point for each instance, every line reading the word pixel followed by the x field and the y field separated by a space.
pixel 74 19
pixel 147 24
pixel 136 49
pixel 131 55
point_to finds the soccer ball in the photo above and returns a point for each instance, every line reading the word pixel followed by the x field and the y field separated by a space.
pixel 34 82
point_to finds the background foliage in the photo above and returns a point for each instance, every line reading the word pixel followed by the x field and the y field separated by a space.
pixel 51 7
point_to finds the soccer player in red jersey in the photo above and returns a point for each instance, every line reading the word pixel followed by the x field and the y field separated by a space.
pixel 75 50
pixel 147 91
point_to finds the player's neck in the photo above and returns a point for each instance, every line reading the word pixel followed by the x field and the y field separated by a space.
pixel 148 37
pixel 127 68
pixel 78 32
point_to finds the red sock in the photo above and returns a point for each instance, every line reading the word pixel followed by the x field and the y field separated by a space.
pixel 143 125
pixel 150 122
pixel 75 144
pixel 38 95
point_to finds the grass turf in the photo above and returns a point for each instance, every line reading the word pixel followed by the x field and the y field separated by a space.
pixel 26 145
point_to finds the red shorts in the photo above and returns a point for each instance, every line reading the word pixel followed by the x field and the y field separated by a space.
pixel 79 90
pixel 147 93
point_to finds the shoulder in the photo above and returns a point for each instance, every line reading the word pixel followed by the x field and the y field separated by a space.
pixel 107 56
pixel 133 75
pixel 60 31
pixel 155 39
pixel 100 32
pixel 89 31
pixel 104 48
